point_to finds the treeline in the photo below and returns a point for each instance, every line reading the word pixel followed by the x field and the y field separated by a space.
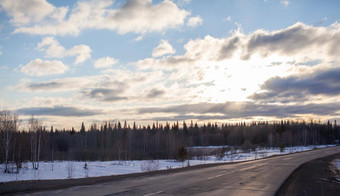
pixel 120 141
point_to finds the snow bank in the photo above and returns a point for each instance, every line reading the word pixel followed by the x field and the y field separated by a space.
pixel 75 169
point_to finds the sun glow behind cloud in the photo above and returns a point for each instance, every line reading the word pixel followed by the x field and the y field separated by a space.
pixel 183 64
pixel 236 79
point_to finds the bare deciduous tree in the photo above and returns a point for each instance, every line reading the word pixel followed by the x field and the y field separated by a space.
pixel 35 130
pixel 9 124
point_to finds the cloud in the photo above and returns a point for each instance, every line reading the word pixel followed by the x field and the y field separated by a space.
pixel 297 39
pixel 220 63
pixel 162 49
pixel 285 3
pixel 229 47
pixel 45 101
pixel 141 16
pixel 137 16
pixel 40 67
pixel 231 110
pixel 199 50
pixel 71 83
pixel 227 19
pixel 104 94
pixel 54 49
pixel 139 38
pixel 25 12
pixel 83 52
pixel 155 93
pixel 58 111
pixel 300 88
pixel 298 42
pixel 44 86
pixel 115 85
pixel 105 62
pixel 195 21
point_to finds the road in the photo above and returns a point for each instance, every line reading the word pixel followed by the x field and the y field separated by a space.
pixel 259 177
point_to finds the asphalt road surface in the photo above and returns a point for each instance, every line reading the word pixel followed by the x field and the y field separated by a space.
pixel 259 177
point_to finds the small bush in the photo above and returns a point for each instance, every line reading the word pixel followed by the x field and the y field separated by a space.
pixel 182 154
pixel 86 168
pixel 282 148
pixel 221 153
pixel 247 146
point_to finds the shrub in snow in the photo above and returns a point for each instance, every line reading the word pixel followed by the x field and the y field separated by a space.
pixel 222 153
pixel 148 166
pixel 182 154
pixel 86 168
pixel 247 146
pixel 282 148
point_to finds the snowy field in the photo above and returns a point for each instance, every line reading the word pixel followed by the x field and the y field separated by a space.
pixel 76 169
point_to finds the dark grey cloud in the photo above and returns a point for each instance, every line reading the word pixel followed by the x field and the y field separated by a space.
pixel 299 88
pixel 229 47
pixel 154 93
pixel 44 86
pixel 191 117
pixel 58 111
pixel 292 40
pixel 77 83
pixel 229 110
pixel 104 94
pixel 176 60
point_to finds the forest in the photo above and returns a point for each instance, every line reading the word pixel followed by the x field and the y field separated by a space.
pixel 116 140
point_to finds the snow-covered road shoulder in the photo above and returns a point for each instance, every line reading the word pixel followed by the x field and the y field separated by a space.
pixel 82 169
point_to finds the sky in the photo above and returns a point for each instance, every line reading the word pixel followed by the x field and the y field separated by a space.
pixel 67 62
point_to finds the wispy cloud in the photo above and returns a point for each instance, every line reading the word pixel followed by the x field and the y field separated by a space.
pixel 227 19
pixel 195 21
pixel 105 62
pixel 58 111
pixel 54 49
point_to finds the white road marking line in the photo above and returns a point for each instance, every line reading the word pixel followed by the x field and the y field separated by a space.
pixel 251 167
pixel 220 175
pixel 288 158
pixel 159 192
